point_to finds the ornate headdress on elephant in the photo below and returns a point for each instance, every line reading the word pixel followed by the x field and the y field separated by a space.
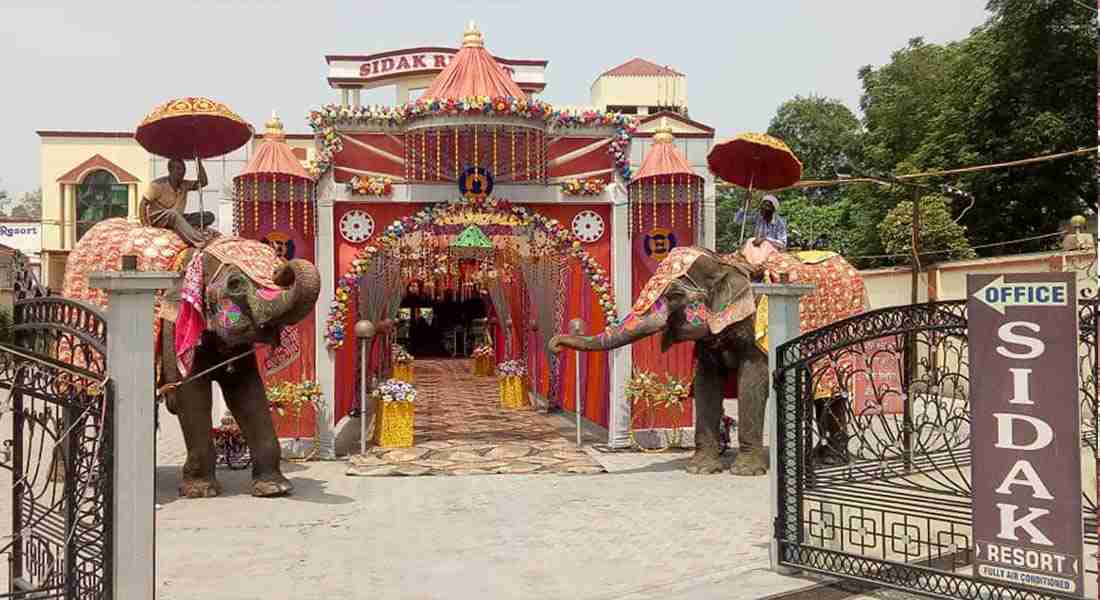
pixel 198 304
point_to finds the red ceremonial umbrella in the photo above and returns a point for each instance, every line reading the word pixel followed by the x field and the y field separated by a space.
pixel 754 161
pixel 192 127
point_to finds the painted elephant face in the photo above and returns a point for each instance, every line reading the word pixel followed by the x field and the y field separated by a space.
pixel 694 294
pixel 239 311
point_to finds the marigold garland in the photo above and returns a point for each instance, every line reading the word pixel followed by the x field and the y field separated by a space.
pixel 593 186
pixel 566 242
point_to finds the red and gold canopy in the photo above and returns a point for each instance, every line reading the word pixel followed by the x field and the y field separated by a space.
pixel 473 72
pixel 665 177
pixel 186 128
pixel 273 176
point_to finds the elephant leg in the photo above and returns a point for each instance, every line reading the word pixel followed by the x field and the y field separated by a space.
pixel 247 400
pixel 752 398
pixel 710 380
pixel 194 407
pixel 169 371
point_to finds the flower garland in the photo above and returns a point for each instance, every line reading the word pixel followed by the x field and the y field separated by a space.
pixel 564 239
pixel 371 186
pixel 395 390
pixel 592 186
pixel 511 368
pixel 324 122
pixel 400 355
pixel 483 351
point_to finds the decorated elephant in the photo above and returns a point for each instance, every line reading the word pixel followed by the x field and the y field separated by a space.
pixel 234 293
pixel 699 296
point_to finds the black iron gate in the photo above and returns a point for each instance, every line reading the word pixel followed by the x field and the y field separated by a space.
pixel 56 453
pixel 874 451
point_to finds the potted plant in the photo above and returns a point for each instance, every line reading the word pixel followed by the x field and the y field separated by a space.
pixel 402 363
pixel 394 414
pixel 292 397
pixel 513 392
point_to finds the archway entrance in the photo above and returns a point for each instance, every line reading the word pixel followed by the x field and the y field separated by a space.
pixel 457 276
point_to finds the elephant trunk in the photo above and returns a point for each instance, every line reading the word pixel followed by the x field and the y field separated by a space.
pixel 634 328
pixel 303 284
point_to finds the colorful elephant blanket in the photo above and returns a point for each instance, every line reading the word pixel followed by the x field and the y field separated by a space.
pixel 157 249
pixel 839 294
pixel 677 264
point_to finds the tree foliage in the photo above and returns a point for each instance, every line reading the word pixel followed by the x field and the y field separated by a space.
pixel 29 206
pixel 1021 85
pixel 938 231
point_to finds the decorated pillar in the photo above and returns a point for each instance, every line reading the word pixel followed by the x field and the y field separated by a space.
pixel 326 363
pixel 621 361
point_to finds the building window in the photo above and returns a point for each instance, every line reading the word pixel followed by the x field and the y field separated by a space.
pixel 626 110
pixel 98 197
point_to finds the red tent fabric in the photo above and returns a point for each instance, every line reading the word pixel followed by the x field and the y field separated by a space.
pixel 663 160
pixel 473 72
pixel 274 156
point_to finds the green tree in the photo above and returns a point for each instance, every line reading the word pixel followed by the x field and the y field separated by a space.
pixel 941 238
pixel 1021 85
pixel 822 133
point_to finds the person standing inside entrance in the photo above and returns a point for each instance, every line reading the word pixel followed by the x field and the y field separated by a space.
pixel 165 201
pixel 769 231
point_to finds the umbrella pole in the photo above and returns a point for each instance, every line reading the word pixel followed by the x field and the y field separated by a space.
pixel 745 213
pixel 202 205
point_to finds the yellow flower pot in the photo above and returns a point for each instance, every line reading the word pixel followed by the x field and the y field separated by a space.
pixel 483 366
pixel 394 424
pixel 513 393
pixel 403 371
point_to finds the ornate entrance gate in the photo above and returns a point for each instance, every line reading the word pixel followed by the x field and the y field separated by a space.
pixel 874 451
pixel 55 427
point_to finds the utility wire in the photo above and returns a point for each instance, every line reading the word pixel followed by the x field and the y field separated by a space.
pixel 989 167
pixel 909 254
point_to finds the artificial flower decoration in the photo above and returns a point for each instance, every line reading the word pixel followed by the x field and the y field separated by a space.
pixel 511 368
pixel 395 390
pixel 400 355
pixel 483 351
pixel 371 186
pixel 593 186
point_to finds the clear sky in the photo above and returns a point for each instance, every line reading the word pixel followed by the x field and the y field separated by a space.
pixel 103 65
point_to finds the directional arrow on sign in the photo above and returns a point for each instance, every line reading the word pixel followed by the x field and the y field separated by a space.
pixel 999 295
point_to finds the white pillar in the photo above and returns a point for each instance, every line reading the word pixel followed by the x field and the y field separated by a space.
pixel 130 364
pixel 356 97
pixel 326 366
pixel 784 324
pixel 618 421
pixel 344 97
pixel 708 223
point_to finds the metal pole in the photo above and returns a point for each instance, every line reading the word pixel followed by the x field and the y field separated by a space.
pixel 576 327
pixel 364 330
pixel 910 341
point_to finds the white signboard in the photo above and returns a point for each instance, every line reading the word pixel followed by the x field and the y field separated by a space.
pixel 25 236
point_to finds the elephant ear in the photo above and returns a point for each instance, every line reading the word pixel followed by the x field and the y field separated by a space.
pixel 731 298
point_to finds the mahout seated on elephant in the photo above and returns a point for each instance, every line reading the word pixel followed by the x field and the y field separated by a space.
pixel 234 293
pixel 699 296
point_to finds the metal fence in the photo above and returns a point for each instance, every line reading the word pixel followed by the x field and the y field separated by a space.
pixel 874 450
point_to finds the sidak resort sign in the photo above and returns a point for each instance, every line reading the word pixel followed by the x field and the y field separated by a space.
pixel 384 68
pixel 1026 431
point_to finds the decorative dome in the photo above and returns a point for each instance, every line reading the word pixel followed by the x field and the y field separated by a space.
pixel 473 72
pixel 663 159
pixel 274 156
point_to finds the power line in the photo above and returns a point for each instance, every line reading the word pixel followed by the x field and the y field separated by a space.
pixel 1006 243
pixel 988 167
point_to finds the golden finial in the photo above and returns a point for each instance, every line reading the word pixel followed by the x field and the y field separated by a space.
pixel 274 128
pixel 471 38
pixel 663 133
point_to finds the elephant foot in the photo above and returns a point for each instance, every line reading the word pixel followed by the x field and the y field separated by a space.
pixel 750 463
pixel 704 463
pixel 199 488
pixel 271 486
